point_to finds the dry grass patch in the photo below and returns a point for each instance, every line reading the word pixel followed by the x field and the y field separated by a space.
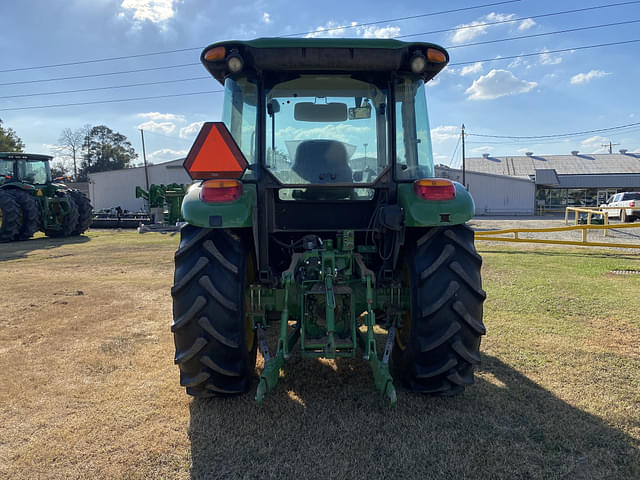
pixel 89 389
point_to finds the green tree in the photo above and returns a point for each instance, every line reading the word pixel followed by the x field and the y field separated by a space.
pixel 9 141
pixel 107 150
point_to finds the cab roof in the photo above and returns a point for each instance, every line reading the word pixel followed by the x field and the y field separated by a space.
pixel 24 156
pixel 323 55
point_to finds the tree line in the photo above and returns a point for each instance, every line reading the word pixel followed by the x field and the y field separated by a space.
pixel 82 151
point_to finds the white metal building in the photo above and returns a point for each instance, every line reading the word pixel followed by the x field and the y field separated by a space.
pixel 118 187
pixel 495 194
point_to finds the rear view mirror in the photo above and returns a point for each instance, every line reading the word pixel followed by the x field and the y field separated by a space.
pixel 320 112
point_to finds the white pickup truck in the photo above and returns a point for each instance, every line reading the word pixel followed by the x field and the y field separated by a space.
pixel 631 203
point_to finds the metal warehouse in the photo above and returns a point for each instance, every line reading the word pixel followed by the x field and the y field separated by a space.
pixel 567 180
pixel 495 194
pixel 118 187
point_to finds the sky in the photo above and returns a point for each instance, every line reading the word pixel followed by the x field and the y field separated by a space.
pixel 576 90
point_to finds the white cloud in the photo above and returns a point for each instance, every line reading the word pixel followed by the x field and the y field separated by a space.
pixel 444 132
pixel 266 18
pixel 548 59
pixel 496 84
pixel 469 69
pixel 481 150
pixel 165 154
pixel 468 31
pixel 433 82
pixel 157 116
pixel 190 130
pixel 595 144
pixel 342 132
pixel 587 77
pixel 156 11
pixel 335 29
pixel 159 127
pixel 372 31
pixel 526 24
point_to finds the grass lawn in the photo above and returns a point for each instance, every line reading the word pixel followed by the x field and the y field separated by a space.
pixel 89 388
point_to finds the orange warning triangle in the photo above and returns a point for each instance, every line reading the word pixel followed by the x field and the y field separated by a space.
pixel 215 154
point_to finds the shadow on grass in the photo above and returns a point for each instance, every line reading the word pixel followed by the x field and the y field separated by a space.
pixel 322 422
pixel 15 250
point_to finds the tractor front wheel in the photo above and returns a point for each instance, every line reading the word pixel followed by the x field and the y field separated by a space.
pixel 9 217
pixel 84 212
pixel 215 341
pixel 437 344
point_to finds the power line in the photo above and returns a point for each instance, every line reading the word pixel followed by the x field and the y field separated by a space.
pixel 558 135
pixel 109 101
pixel 101 74
pixel 546 52
pixel 166 52
pixel 626 22
pixel 113 87
pixel 519 19
pixel 411 17
pixel 455 150
pixel 452 64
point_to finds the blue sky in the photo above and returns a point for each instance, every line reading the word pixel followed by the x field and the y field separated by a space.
pixel 572 91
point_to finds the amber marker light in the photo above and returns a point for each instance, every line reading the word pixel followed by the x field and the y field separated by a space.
pixel 436 56
pixel 215 54
pixel 220 191
pixel 434 189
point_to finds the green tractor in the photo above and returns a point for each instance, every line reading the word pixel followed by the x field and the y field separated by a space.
pixel 31 201
pixel 315 209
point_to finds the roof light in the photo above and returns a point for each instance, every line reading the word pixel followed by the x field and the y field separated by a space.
pixel 436 56
pixel 434 189
pixel 234 62
pixel 215 54
pixel 221 191
pixel 418 62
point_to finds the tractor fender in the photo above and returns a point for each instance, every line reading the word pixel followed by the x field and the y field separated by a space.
pixel 235 214
pixel 429 213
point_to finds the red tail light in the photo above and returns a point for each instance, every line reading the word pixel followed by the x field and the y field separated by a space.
pixel 632 204
pixel 435 189
pixel 220 191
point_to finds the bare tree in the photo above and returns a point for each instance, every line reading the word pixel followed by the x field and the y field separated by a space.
pixel 71 143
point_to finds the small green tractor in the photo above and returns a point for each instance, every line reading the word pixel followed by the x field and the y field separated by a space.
pixel 315 210
pixel 31 201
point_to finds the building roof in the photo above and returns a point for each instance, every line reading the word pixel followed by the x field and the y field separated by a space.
pixel 170 164
pixel 579 164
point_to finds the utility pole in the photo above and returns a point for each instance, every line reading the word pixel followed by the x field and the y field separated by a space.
pixel 464 183
pixel 144 158
pixel 610 145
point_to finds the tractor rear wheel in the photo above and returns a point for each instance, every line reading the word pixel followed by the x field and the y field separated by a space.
pixel 214 339
pixel 9 217
pixel 67 220
pixel 84 212
pixel 438 343
pixel 30 214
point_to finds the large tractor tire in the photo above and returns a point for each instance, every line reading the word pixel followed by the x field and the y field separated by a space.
pixel 68 220
pixel 30 212
pixel 438 343
pixel 84 212
pixel 215 341
pixel 9 217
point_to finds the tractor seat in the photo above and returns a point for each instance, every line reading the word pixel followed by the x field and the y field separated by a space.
pixel 323 161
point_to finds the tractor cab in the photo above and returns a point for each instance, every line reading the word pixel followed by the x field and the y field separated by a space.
pixel 30 169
